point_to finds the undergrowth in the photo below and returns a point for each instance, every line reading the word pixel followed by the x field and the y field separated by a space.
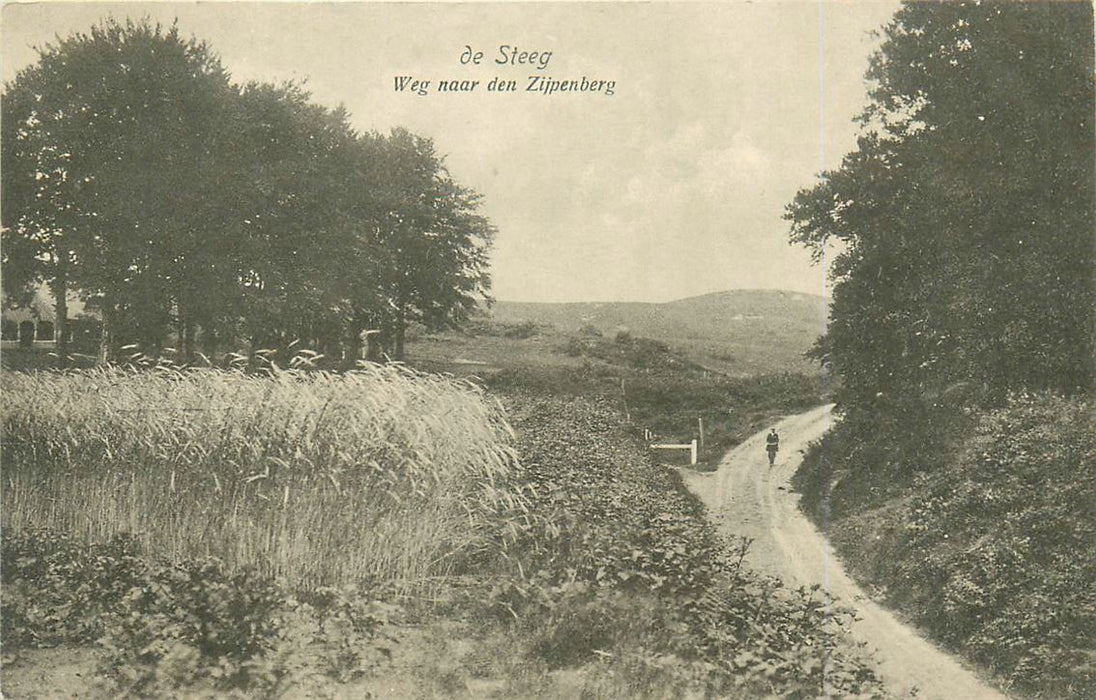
pixel 166 627
pixel 558 538
pixel 670 396
pixel 990 545
pixel 627 574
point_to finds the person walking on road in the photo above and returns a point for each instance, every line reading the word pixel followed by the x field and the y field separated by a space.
pixel 772 445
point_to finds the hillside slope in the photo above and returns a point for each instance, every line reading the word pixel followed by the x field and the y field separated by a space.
pixel 990 547
pixel 739 332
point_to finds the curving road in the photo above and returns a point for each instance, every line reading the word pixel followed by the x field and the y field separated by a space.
pixel 747 498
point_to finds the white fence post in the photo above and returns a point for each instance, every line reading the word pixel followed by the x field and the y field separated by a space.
pixel 690 446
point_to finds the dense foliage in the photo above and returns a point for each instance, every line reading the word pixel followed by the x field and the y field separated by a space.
pixel 965 217
pixel 963 231
pixel 189 209
pixel 626 566
pixel 191 625
pixel 995 553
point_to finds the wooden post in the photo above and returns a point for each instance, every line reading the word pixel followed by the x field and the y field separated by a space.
pixel 692 452
pixel 624 398
pixel 700 430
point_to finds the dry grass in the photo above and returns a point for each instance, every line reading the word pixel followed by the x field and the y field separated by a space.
pixel 380 475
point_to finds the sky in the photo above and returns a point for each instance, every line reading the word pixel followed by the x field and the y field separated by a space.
pixel 672 186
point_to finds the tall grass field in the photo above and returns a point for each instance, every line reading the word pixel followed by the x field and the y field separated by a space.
pixel 379 475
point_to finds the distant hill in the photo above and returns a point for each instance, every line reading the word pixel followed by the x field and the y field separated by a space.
pixel 738 332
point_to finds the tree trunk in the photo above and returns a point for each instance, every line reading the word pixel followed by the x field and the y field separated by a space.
pixel 180 331
pixel 188 340
pixel 401 328
pixel 60 327
pixel 373 347
pixel 209 340
pixel 354 344
pixel 106 335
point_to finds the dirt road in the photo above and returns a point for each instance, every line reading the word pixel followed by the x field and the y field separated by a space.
pixel 746 497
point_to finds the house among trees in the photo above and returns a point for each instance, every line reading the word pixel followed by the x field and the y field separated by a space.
pixel 33 323
pixel 265 221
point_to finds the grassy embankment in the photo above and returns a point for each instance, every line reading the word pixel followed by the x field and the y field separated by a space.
pixel 340 508
pixel 981 530
pixel 630 573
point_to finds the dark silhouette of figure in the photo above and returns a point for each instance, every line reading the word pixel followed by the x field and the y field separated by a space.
pixel 772 445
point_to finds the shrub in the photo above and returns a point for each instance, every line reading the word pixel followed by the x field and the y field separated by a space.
pixel 990 544
pixel 163 627
pixel 56 590
pixel 187 622
pixel 626 568
pixel 521 331
pixel 158 622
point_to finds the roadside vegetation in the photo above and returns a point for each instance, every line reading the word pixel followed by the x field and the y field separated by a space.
pixel 959 479
pixel 299 531
pixel 631 573
pixel 660 389
pixel 991 547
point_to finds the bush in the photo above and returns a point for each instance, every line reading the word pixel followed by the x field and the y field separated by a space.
pixel 164 627
pixel 991 545
pixel 56 590
pixel 521 331
pixel 626 567
pixel 184 623
pixel 149 616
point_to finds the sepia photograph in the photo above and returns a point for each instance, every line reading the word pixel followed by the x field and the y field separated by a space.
pixel 593 350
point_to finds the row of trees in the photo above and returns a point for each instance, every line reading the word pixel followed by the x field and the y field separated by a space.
pixel 964 222
pixel 185 207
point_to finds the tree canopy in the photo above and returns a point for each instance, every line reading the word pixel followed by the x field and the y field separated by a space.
pixel 193 210
pixel 963 223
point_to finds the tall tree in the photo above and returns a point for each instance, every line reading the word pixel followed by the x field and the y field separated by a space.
pixel 33 244
pixel 966 215
pixel 293 216
pixel 434 239
pixel 108 135
pixel 177 202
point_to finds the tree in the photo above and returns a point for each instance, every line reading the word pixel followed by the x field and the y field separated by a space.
pixel 108 135
pixel 294 219
pixel 180 204
pixel 435 242
pixel 966 215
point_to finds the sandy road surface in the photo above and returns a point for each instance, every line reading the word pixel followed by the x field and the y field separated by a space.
pixel 746 497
